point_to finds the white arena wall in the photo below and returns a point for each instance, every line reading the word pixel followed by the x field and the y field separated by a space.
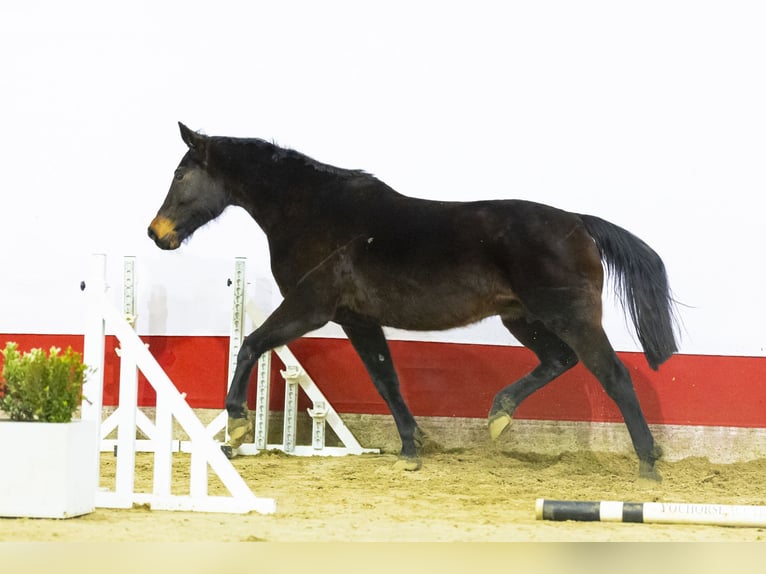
pixel 649 116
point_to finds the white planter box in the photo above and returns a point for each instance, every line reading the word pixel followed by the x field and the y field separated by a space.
pixel 48 470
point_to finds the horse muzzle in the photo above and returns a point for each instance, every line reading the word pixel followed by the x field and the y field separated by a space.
pixel 163 232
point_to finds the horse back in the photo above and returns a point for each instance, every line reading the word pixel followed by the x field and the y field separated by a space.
pixel 429 265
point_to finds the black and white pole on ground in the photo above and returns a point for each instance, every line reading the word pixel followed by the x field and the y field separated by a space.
pixel 651 512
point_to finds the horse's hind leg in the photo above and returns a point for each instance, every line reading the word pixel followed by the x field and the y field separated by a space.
pixel 573 325
pixel 592 346
pixel 556 357
pixel 370 344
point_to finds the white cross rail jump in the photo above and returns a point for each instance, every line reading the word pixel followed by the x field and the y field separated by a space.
pixel 127 418
pixel 205 451
pixel 295 377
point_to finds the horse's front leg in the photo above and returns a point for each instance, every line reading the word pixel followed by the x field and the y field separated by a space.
pixel 370 344
pixel 304 309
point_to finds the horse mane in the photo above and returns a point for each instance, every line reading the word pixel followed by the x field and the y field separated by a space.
pixel 283 155
pixel 290 155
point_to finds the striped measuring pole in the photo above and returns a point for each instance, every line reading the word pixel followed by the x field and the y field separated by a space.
pixel 651 512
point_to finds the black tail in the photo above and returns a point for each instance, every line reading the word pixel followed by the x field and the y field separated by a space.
pixel 642 284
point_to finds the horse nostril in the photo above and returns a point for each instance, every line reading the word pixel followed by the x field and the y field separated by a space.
pixel 152 234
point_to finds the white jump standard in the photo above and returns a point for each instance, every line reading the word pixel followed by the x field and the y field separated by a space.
pixel 296 379
pixel 205 451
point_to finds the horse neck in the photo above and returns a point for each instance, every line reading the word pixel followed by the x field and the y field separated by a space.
pixel 272 204
pixel 278 188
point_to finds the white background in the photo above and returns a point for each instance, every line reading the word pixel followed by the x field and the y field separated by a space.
pixel 649 114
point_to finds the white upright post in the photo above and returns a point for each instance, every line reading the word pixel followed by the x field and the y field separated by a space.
pixel 263 397
pixel 126 430
pixel 129 289
pixel 236 334
pixel 93 354
pixel 128 396
pixel 163 447
pixel 291 375
pixel 198 472
pixel 93 346
pixel 318 417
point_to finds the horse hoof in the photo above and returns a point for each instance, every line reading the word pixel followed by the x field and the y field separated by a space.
pixel 647 471
pixel 498 424
pixel 237 429
pixel 408 464
pixel 228 451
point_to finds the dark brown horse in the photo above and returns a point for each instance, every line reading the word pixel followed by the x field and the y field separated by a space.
pixel 347 248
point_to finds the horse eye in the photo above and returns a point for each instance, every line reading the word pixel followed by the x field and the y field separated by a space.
pixel 179 175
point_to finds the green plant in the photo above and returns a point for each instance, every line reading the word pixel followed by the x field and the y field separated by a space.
pixel 39 387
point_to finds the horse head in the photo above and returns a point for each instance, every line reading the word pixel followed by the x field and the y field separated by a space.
pixel 195 196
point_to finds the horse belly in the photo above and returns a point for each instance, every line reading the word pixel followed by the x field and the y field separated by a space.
pixel 425 316
pixel 430 305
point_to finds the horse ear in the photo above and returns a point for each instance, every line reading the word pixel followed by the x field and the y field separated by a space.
pixel 192 139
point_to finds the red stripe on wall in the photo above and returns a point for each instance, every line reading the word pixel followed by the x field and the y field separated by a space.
pixel 197 365
pixel 444 379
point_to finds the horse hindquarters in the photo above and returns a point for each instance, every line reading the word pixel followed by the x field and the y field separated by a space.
pixel 559 341
pixel 559 287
